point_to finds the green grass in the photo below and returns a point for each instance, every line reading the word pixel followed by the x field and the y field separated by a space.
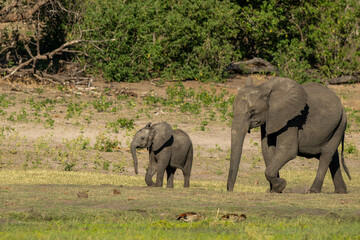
pixel 40 204
pixel 104 227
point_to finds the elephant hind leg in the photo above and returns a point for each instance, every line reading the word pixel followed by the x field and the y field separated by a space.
pixel 186 180
pixel 336 175
pixel 329 158
pixel 324 164
pixel 170 177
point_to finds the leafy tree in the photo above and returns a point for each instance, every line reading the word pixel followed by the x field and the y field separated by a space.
pixel 190 39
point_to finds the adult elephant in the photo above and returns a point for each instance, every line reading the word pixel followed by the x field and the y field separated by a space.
pixel 168 150
pixel 296 120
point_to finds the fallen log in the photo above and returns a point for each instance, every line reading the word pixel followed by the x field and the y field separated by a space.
pixel 255 65
pixel 344 80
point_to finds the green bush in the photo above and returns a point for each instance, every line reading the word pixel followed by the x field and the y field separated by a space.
pixel 301 35
pixel 105 144
pixel 121 123
pixel 196 39
pixel 190 39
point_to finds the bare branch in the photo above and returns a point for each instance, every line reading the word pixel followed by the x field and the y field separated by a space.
pixel 28 50
pixel 300 31
pixel 38 31
pixel 19 67
pixel 13 16
pixel 49 55
pixel 8 7
pixel 7 48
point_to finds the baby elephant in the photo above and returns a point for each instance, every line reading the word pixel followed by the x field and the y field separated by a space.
pixel 168 150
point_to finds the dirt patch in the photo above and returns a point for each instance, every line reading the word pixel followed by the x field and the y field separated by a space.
pixel 27 140
pixel 301 189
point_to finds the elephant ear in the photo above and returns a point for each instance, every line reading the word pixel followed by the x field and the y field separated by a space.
pixel 287 99
pixel 162 133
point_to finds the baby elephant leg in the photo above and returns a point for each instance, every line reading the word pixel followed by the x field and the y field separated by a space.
pixel 170 176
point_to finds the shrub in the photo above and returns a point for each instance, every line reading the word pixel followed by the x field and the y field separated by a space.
pixel 101 105
pixel 190 39
pixel 350 148
pixel 299 35
pixel 196 39
pixel 105 144
pixel 121 123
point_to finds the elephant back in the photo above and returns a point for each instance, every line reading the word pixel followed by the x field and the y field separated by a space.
pixel 182 139
pixel 181 147
pixel 322 114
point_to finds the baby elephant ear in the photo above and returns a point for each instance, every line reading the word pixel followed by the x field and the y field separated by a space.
pixel 287 99
pixel 162 133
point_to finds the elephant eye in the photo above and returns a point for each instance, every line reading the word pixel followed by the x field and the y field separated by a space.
pixel 252 111
pixel 142 138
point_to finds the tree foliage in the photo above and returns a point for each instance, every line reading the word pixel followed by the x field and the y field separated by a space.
pixel 302 35
pixel 132 40
pixel 170 39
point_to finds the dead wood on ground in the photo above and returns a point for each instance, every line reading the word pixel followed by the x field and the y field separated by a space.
pixel 255 65
pixel 344 80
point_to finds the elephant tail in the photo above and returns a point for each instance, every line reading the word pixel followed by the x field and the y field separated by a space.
pixel 342 157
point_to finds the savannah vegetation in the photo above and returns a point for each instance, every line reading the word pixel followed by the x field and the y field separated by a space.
pixel 140 212
pixel 181 40
pixel 41 174
pixel 57 141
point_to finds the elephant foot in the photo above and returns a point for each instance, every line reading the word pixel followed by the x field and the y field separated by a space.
pixel 279 186
pixel 150 184
pixel 340 190
pixel 340 187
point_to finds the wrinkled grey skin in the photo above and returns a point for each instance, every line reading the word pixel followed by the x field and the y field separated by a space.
pixel 296 120
pixel 168 150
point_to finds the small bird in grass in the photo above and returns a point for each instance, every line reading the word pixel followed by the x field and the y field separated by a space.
pixel 233 217
pixel 189 217
pixel 83 194
pixel 116 191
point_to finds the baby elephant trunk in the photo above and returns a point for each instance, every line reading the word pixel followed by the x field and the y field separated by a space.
pixel 133 152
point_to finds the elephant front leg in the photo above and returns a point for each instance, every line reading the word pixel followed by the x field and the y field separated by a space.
pixel 268 149
pixel 277 184
pixel 150 172
pixel 163 160
pixel 148 177
pixel 160 176
pixel 286 149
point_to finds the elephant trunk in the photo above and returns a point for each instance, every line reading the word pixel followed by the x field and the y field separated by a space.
pixel 133 152
pixel 237 139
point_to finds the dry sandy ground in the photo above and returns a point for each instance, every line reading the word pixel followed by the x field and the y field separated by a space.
pixel 210 146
